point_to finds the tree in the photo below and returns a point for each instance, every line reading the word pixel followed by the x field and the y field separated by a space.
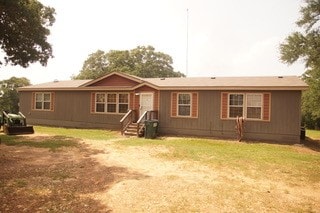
pixel 305 45
pixel 24 30
pixel 142 61
pixel 9 100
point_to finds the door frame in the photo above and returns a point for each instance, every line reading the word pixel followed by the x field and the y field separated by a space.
pixel 140 101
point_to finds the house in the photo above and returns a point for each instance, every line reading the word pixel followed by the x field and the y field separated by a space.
pixel 197 106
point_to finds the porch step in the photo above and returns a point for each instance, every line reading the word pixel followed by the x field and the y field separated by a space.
pixel 132 130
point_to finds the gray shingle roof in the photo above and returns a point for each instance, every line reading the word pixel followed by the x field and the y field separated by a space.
pixel 229 82
pixel 58 84
pixel 190 83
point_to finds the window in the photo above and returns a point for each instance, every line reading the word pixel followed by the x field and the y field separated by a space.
pixel 100 104
pixel 43 101
pixel 254 106
pixel 112 102
pixel 184 104
pixel 235 105
pixel 245 105
pixel 123 103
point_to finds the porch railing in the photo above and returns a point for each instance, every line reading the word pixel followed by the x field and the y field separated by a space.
pixel 147 115
pixel 127 119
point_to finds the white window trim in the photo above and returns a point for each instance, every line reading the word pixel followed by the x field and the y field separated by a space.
pixel 184 116
pixel 106 102
pixel 245 106
pixel 261 107
pixel 42 102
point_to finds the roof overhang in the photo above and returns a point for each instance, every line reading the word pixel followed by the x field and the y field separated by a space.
pixel 251 88
pixel 105 88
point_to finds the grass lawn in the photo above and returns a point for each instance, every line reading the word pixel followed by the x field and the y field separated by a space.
pixel 295 168
pixel 258 160
pixel 91 134
pixel 264 159
pixel 313 134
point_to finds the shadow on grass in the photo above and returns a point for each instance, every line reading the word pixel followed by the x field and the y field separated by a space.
pixel 41 180
pixel 311 144
pixel 51 142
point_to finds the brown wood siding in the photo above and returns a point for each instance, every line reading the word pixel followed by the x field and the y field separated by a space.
pixel 224 105
pixel 93 102
pixel 194 105
pixel 33 101
pixel 266 106
pixel 131 103
pixel 73 109
pixel 115 80
pixel 174 104
pixel 284 125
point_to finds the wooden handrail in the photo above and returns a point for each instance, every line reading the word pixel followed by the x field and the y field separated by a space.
pixel 147 115
pixel 143 116
pixel 141 121
pixel 126 115
pixel 126 120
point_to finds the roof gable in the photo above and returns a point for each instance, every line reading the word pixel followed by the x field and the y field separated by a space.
pixel 115 79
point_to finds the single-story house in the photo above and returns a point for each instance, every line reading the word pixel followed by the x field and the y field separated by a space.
pixel 196 106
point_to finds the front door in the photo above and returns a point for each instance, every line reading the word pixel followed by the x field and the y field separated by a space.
pixel 146 102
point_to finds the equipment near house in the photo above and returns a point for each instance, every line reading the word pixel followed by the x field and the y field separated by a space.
pixel 15 124
pixel 240 127
pixel 151 129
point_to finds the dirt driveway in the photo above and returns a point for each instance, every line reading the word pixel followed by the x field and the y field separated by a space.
pixel 101 176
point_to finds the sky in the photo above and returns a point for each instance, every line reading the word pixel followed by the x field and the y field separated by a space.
pixel 224 37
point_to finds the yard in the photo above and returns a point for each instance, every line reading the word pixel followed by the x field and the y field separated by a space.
pixel 73 170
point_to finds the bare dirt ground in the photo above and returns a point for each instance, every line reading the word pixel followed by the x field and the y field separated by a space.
pixel 100 176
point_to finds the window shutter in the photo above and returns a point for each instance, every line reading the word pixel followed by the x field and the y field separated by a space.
pixel 174 104
pixel 93 102
pixel 194 106
pixel 224 105
pixel 52 101
pixel 266 106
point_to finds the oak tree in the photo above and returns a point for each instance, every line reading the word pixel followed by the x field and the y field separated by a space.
pixel 9 98
pixel 141 61
pixel 305 45
pixel 24 29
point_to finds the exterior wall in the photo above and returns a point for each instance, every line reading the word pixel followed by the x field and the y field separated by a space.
pixel 284 124
pixel 71 109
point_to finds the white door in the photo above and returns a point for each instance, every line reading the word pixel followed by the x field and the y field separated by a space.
pixel 146 102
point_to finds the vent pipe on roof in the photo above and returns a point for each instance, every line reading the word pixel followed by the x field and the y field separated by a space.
pixel 280 76
pixel 162 78
pixel 213 77
pixel 55 80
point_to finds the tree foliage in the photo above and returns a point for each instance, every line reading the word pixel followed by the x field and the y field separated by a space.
pixel 24 28
pixel 305 45
pixel 9 100
pixel 141 61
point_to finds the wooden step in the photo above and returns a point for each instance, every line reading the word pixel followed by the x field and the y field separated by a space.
pixel 132 130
